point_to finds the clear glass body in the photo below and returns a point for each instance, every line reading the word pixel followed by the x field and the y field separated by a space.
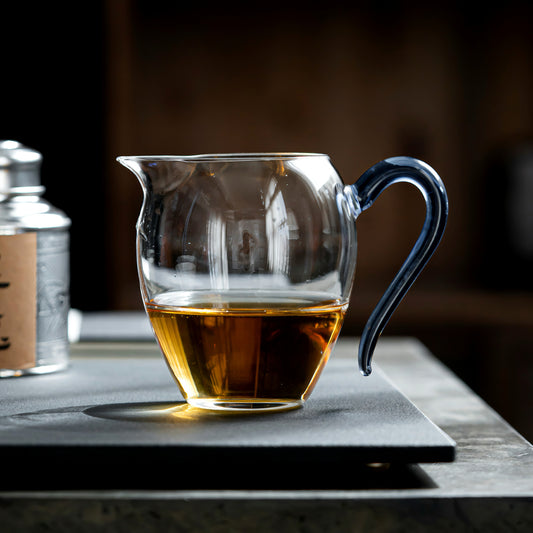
pixel 246 263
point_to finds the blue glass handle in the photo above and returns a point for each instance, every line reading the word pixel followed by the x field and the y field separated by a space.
pixel 363 193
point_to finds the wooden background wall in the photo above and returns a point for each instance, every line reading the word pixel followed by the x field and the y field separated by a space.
pixel 447 82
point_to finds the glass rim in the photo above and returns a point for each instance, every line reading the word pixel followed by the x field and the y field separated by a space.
pixel 224 157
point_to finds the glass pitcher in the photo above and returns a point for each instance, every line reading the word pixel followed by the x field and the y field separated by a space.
pixel 246 263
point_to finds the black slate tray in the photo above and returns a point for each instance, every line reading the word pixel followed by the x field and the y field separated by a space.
pixel 120 422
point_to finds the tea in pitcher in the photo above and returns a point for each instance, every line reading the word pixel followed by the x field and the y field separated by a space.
pixel 266 351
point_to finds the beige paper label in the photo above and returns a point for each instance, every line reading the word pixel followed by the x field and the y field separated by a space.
pixel 18 295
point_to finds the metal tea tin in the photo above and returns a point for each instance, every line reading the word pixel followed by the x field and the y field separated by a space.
pixel 34 269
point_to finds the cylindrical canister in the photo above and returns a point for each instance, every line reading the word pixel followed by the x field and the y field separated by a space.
pixel 34 269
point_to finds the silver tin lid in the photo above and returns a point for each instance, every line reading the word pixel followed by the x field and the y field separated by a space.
pixel 19 169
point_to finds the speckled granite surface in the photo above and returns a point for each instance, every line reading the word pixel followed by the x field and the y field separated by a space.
pixel 489 487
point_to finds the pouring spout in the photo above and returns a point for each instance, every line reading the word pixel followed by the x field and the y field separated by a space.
pixel 134 164
pixel 159 174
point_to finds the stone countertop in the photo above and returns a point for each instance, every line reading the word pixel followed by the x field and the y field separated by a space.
pixel 492 460
pixel 489 486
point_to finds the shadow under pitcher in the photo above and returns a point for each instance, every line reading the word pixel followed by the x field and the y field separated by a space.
pixel 246 263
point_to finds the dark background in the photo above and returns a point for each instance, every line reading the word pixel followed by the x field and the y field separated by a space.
pixel 450 83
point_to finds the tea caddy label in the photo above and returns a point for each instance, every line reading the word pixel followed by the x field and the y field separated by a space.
pixel 18 300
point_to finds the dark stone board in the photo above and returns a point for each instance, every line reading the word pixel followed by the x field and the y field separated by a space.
pixel 120 422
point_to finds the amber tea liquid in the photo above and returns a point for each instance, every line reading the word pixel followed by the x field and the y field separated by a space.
pixel 242 353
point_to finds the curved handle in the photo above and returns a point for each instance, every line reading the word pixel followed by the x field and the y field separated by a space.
pixel 363 193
